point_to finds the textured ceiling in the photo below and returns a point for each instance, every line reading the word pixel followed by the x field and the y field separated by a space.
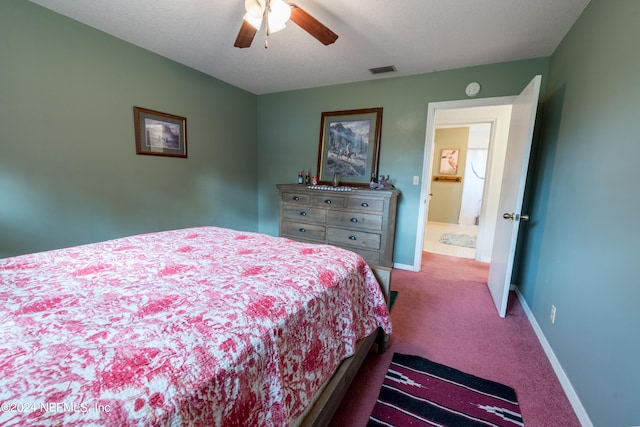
pixel 416 36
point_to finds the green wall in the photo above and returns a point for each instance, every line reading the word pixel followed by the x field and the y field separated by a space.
pixel 68 169
pixel 69 173
pixel 581 247
pixel 289 131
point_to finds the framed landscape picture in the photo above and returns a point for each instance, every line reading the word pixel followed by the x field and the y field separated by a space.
pixel 160 134
pixel 349 146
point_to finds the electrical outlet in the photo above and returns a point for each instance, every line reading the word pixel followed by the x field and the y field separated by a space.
pixel 416 180
pixel 552 315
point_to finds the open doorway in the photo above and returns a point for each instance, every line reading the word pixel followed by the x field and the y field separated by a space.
pixel 456 198
pixel 494 112
pixel 504 185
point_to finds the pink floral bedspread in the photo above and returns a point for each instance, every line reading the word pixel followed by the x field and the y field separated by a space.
pixel 201 326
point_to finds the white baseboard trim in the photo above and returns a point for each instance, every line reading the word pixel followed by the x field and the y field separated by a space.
pixel 581 413
pixel 404 267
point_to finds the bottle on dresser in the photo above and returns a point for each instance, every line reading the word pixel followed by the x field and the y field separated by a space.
pixel 300 176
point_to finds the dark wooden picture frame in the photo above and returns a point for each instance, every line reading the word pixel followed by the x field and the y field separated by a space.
pixel 160 134
pixel 349 146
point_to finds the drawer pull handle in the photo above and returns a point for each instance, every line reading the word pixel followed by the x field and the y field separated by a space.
pixel 352 238
pixel 302 230
pixel 303 213
pixel 354 219
pixel 328 201
pixel 296 198
pixel 365 205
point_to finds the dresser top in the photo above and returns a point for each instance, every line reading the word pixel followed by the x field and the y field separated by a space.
pixel 340 189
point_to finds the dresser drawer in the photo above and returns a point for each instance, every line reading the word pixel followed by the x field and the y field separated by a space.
pixel 355 220
pixel 368 204
pixel 328 201
pixel 359 239
pixel 371 257
pixel 297 198
pixel 300 230
pixel 304 213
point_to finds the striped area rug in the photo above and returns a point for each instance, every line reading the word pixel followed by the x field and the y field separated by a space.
pixel 418 392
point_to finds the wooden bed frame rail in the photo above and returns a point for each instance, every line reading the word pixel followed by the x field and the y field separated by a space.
pixel 328 399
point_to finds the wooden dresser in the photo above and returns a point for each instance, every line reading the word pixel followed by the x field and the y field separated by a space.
pixel 360 220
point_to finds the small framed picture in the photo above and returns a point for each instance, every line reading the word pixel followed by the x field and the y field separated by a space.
pixel 160 134
pixel 449 161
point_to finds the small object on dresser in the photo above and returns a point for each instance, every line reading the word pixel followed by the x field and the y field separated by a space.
pixel 373 184
pixel 314 180
pixel 335 180
pixel 307 178
pixel 382 184
pixel 300 176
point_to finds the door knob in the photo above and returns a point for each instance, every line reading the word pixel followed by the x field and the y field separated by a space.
pixel 515 216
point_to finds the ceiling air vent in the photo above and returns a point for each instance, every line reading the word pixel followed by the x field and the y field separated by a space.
pixel 385 69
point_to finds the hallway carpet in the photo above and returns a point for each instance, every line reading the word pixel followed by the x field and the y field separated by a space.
pixel 445 313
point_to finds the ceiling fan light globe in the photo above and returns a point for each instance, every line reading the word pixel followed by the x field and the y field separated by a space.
pixel 278 15
pixel 255 7
pixel 274 27
pixel 255 12
pixel 256 22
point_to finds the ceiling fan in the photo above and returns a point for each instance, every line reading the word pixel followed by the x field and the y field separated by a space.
pixel 276 13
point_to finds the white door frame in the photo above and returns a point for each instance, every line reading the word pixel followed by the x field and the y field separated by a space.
pixel 428 159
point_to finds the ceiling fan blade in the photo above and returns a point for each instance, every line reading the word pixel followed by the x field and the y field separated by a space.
pixel 312 26
pixel 245 35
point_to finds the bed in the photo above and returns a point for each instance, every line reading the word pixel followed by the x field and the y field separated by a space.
pixel 199 326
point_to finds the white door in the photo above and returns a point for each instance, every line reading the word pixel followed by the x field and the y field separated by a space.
pixel 523 116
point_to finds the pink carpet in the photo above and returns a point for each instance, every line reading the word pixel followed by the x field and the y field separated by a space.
pixel 445 313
